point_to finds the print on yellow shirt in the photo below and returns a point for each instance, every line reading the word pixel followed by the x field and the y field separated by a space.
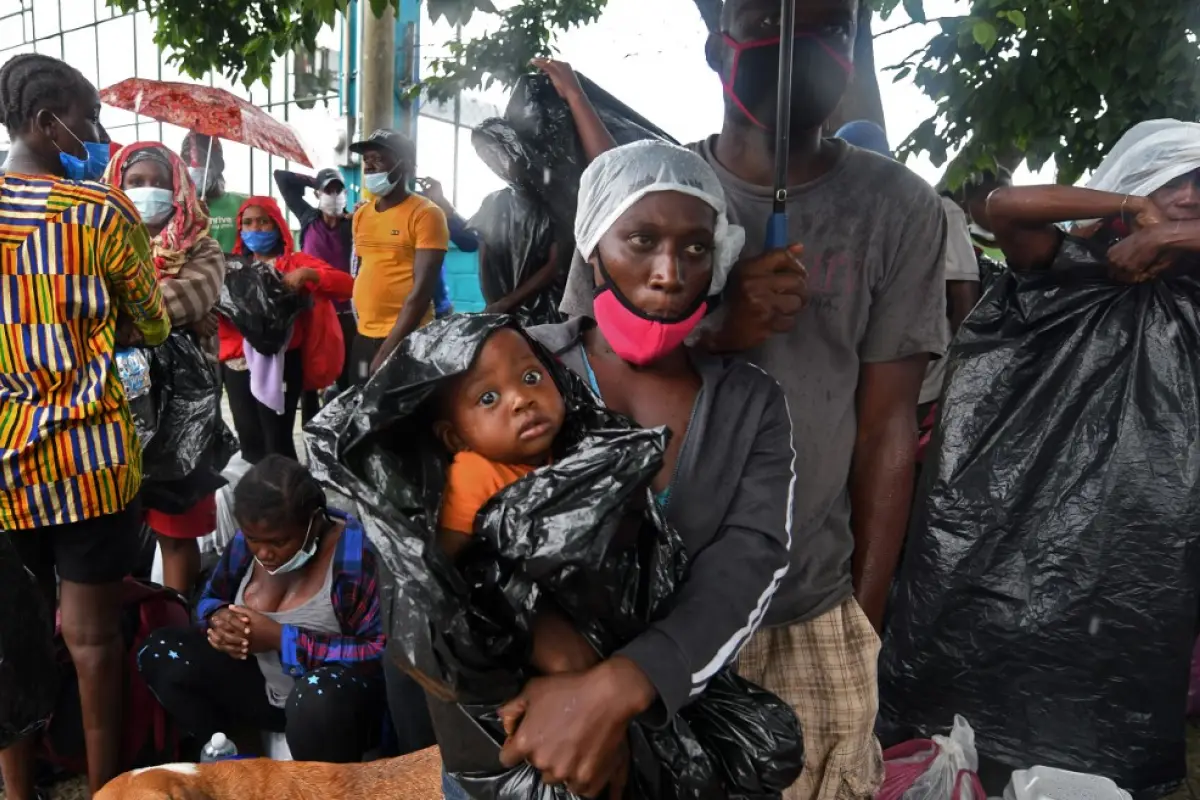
pixel 386 244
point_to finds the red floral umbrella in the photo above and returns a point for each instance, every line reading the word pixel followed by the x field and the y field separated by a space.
pixel 207 110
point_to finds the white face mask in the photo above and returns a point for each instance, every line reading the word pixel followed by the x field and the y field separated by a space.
pixel 332 204
pixel 302 556
pixel 153 204
pixel 200 178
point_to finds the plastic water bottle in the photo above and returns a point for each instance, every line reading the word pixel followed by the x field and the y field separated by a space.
pixel 133 367
pixel 219 748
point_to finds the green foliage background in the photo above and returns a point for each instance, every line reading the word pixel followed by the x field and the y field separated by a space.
pixel 1010 80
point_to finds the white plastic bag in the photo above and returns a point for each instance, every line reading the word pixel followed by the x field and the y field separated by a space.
pixel 944 778
pixel 1048 783
pixel 1150 155
pixel 216 542
pixel 276 746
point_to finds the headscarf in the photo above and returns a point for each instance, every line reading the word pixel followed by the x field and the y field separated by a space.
pixel 187 223
pixel 1149 156
pixel 618 179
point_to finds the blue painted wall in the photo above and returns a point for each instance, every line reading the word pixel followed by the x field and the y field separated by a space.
pixel 462 279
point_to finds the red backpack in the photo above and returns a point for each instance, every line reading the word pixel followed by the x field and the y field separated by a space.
pixel 148 736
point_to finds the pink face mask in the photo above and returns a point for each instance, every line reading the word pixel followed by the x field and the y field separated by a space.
pixel 635 337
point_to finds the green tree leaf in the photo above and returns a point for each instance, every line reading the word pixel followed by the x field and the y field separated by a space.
pixel 915 10
pixel 984 33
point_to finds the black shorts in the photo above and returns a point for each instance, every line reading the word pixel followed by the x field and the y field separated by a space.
pixel 97 550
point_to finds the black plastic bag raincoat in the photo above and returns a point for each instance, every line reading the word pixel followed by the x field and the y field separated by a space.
pixel 1049 588
pixel 519 238
pixel 185 442
pixel 579 532
pixel 535 148
pixel 255 299
pixel 28 668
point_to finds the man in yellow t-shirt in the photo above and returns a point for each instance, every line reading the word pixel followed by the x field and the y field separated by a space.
pixel 400 241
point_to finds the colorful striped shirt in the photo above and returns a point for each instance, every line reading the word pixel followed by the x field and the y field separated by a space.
pixel 355 598
pixel 73 256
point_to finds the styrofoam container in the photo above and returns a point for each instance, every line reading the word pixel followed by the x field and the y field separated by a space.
pixel 1047 783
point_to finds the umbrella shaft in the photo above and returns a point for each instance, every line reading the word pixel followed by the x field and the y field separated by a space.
pixel 783 116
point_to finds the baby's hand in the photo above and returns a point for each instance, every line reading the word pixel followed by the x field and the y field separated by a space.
pixel 452 542
pixel 558 648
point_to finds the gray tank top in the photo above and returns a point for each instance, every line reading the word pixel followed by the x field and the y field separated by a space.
pixel 316 614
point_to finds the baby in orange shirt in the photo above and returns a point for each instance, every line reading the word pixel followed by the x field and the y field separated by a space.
pixel 499 419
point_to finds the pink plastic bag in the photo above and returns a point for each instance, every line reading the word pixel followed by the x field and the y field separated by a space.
pixel 943 768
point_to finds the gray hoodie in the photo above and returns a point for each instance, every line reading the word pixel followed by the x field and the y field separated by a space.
pixel 731 502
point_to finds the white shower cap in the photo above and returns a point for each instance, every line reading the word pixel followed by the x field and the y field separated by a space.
pixel 624 175
pixel 1149 156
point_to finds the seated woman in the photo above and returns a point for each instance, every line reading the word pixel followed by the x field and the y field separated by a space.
pixel 653 237
pixel 190 268
pixel 297 590
pixel 315 352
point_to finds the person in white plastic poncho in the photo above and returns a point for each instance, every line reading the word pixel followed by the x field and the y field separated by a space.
pixel 1143 202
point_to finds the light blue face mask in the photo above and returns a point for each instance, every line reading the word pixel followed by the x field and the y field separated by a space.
pixel 154 205
pixel 302 556
pixel 78 169
pixel 380 184
pixel 199 176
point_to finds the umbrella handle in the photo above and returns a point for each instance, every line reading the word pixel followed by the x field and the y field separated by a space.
pixel 777 231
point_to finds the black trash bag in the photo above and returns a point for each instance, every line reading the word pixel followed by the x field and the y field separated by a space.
pixel 28 669
pixel 595 547
pixel 145 417
pixel 518 238
pixel 255 299
pixel 1049 590
pixel 990 271
pixel 535 149
pixel 185 441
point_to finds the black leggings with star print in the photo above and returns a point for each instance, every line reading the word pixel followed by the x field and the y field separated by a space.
pixel 334 714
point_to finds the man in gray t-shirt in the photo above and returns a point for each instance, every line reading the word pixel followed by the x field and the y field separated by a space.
pixel 851 363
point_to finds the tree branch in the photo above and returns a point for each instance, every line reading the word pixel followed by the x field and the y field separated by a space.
pixel 862 99
pixel 911 24
pixel 710 10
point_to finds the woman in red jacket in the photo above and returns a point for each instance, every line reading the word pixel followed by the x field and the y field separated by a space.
pixel 265 417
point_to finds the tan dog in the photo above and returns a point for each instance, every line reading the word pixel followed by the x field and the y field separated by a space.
pixel 413 777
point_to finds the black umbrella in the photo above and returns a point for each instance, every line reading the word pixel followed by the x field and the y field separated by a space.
pixel 777 234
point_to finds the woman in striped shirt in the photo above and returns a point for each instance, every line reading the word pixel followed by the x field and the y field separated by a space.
pixel 73 257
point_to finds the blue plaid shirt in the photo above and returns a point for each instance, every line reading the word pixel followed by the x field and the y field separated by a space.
pixel 355 597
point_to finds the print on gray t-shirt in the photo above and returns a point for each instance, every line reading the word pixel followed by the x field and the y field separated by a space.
pixel 874 235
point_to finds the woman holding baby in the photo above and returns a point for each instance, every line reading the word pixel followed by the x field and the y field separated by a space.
pixel 654 240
